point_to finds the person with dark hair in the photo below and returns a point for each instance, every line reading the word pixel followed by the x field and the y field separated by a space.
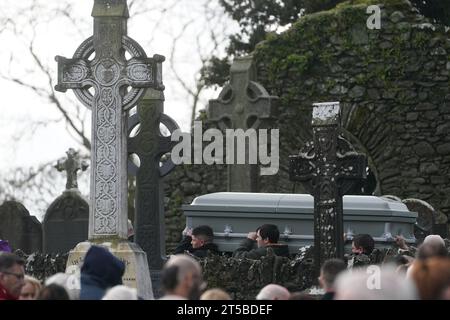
pixel 362 247
pixel 328 274
pixel 265 238
pixel 53 292
pixel 182 278
pixel 12 275
pixel 198 242
pixel 363 243
pixel 100 271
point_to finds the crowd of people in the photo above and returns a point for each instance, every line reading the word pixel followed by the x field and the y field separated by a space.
pixel 412 273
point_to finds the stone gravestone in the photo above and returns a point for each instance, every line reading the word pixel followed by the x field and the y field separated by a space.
pixel 149 145
pixel 328 167
pixel 425 219
pixel 392 197
pixel 109 73
pixel 20 229
pixel 66 221
pixel 242 104
pixel 429 221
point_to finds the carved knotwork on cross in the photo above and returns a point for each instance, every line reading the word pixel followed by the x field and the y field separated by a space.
pixel 328 167
pixel 72 164
pixel 109 73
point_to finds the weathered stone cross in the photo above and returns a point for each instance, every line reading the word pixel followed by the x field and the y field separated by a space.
pixel 328 167
pixel 109 73
pixel 71 165
pixel 149 145
pixel 242 104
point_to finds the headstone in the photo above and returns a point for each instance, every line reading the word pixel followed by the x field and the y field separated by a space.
pixel 109 73
pixel 22 231
pixel 328 167
pixel 66 221
pixel 242 104
pixel 233 214
pixel 425 219
pixel 150 145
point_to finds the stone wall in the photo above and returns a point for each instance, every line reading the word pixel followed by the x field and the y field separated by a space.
pixel 394 89
pixel 244 278
pixel 181 187
pixel 393 84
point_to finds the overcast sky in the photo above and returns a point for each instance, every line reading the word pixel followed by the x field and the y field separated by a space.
pixel 21 108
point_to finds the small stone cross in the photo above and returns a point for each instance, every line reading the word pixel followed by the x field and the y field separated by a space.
pixel 71 165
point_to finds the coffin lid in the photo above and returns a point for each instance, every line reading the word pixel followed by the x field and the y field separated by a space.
pixel 294 203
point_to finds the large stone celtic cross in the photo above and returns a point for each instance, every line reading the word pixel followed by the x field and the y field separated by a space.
pixel 109 74
pixel 328 167
pixel 242 104
pixel 149 145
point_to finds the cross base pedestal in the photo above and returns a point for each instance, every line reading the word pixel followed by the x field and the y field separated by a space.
pixel 137 274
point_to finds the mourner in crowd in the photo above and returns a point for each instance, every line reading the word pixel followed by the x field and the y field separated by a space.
pixel 257 244
pixel 12 275
pixel 198 242
pixel 328 274
pixel 31 289
pixel 181 278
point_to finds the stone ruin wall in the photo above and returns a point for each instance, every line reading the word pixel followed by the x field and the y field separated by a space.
pixel 394 89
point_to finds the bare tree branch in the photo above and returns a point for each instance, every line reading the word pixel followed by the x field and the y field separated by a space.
pixel 49 93
pixel 40 74
pixel 66 12
pixel 194 93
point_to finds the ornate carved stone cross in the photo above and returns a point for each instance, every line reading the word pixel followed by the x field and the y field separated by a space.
pixel 71 165
pixel 242 104
pixel 109 73
pixel 149 145
pixel 328 167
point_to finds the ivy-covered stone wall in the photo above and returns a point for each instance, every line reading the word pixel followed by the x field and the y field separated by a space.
pixel 394 88
pixel 244 278
pixel 41 265
pixel 393 85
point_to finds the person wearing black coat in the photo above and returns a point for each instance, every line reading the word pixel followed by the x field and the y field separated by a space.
pixel 100 271
pixel 265 237
pixel 198 242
